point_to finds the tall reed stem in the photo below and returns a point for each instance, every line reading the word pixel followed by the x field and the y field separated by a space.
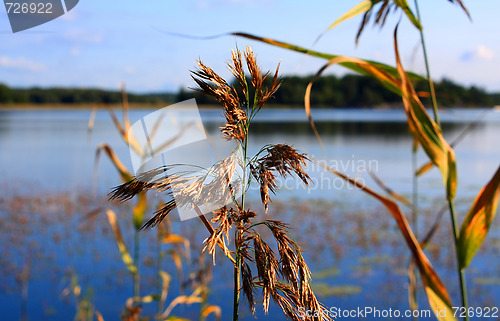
pixel 428 69
pixel 159 285
pixel 136 278
pixel 461 272
pixel 414 208
pixel 237 266
pixel 237 272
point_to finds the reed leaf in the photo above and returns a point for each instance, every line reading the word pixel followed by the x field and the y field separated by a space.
pixel 389 190
pixel 98 316
pixel 124 173
pixel 347 64
pixel 177 239
pixel 478 221
pixel 406 9
pixel 426 131
pixel 211 309
pixel 460 3
pixel 139 210
pixel 165 279
pixel 182 299
pixel 126 257
pixel 428 166
pixel 436 291
pixel 361 7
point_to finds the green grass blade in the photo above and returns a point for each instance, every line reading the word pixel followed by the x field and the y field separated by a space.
pixel 404 6
pixel 351 66
pixel 126 257
pixel 478 221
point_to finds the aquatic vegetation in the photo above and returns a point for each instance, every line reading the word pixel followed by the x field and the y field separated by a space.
pixel 284 277
pixel 427 134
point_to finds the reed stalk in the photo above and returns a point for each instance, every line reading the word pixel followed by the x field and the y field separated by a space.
pixel 136 276
pixel 428 69
pixel 461 272
pixel 159 286
pixel 414 208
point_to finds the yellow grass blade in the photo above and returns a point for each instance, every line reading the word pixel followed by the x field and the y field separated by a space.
pixel 182 299
pixel 436 291
pixel 477 222
pixel 361 7
pixel 175 238
pixel 426 131
pixel 165 278
pixel 412 300
pixel 211 309
pixel 98 316
pixel 124 173
pixel 178 263
pixel 127 136
pixel 139 210
pixel 126 257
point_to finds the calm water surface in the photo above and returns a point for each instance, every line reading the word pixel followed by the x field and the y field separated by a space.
pixel 47 162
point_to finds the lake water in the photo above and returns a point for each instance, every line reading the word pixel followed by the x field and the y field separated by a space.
pixel 47 162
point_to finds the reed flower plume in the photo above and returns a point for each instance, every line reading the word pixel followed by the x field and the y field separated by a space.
pixel 277 269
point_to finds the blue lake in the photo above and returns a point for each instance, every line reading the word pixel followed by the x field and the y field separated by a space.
pixel 49 183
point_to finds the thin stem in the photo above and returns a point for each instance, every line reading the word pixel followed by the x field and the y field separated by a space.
pixel 414 202
pixel 137 243
pixel 159 285
pixel 461 272
pixel 236 300
pixel 428 70
pixel 237 266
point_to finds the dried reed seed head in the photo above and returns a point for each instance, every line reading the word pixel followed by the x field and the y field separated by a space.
pixel 269 92
pixel 224 218
pixel 160 214
pixel 254 69
pixel 267 266
pixel 248 286
pixel 237 70
pixel 245 216
pixel 286 160
pixel 212 84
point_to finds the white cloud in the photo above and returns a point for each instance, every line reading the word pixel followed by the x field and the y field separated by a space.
pixel 130 70
pixel 484 53
pixel 82 36
pixel 75 52
pixel 21 64
pixel 481 52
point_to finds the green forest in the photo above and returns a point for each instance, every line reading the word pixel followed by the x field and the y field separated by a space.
pixel 328 91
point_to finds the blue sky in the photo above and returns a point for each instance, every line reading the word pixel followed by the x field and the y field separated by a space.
pixel 105 43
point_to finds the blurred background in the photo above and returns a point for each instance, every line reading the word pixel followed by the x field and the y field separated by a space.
pixel 60 258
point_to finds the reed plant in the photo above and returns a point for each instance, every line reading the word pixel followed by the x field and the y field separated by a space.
pixel 164 238
pixel 278 270
pixel 427 134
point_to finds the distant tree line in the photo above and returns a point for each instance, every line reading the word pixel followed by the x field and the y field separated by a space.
pixel 76 96
pixel 327 91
